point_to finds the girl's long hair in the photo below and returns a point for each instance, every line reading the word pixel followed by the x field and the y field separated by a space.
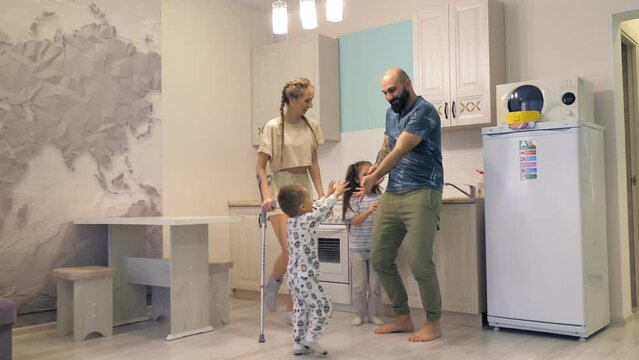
pixel 352 177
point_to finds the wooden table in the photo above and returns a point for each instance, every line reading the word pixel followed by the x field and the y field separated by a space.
pixel 185 274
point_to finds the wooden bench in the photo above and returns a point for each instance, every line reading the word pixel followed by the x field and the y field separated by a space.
pixel 85 301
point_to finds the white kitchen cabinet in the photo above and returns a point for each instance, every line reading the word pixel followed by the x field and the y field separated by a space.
pixel 459 58
pixel 315 58
pixel 246 249
pixel 459 258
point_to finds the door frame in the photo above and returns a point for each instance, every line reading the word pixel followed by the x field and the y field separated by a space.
pixel 631 123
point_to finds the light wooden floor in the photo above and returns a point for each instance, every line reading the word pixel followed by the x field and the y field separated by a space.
pixel 238 340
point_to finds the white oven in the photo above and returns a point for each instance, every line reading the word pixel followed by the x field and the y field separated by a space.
pixel 332 248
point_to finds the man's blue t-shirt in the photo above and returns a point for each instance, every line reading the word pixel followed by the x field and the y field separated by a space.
pixel 422 166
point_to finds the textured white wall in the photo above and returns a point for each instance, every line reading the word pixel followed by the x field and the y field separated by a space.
pixel 70 147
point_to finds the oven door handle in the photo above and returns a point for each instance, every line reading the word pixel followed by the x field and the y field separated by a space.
pixel 330 231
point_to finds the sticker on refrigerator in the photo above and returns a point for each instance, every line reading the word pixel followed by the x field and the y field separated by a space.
pixel 528 159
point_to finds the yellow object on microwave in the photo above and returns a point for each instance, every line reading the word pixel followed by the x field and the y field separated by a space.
pixel 522 116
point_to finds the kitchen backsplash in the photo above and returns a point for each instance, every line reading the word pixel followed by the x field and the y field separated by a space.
pixel 462 155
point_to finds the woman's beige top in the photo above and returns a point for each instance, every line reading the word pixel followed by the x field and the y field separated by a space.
pixel 299 143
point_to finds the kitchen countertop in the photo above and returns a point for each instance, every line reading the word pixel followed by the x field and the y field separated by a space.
pixel 452 200
pixel 461 200
pixel 244 203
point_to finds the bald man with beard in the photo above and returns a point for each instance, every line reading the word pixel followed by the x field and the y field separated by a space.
pixel 410 207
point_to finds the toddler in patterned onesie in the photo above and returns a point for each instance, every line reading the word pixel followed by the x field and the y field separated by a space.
pixel 311 307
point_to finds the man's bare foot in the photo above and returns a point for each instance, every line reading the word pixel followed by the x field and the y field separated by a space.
pixel 429 332
pixel 402 323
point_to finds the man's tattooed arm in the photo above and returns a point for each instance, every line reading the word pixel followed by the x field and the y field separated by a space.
pixel 384 151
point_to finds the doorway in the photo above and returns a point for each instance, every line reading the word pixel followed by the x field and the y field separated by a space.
pixel 631 123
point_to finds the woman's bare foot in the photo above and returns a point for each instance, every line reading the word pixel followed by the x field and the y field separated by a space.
pixel 402 323
pixel 429 332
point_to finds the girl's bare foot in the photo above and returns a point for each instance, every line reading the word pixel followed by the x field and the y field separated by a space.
pixel 429 332
pixel 402 323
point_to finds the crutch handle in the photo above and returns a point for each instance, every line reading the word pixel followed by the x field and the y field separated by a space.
pixel 274 204
pixel 259 186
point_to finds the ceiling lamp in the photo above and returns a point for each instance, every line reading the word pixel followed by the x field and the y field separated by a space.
pixel 308 14
pixel 334 10
pixel 280 17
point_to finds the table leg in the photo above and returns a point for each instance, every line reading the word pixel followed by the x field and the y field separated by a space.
pixel 189 280
pixel 129 300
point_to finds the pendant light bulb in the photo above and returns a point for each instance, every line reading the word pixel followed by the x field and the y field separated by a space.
pixel 280 17
pixel 308 13
pixel 334 10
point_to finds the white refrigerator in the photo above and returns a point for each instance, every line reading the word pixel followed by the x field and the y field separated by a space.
pixel 546 247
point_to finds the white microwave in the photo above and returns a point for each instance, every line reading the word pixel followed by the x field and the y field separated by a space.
pixel 556 99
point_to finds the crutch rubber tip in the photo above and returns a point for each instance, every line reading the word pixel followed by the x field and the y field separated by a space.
pixel 261 340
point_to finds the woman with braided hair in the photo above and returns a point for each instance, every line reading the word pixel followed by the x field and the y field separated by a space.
pixel 289 147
